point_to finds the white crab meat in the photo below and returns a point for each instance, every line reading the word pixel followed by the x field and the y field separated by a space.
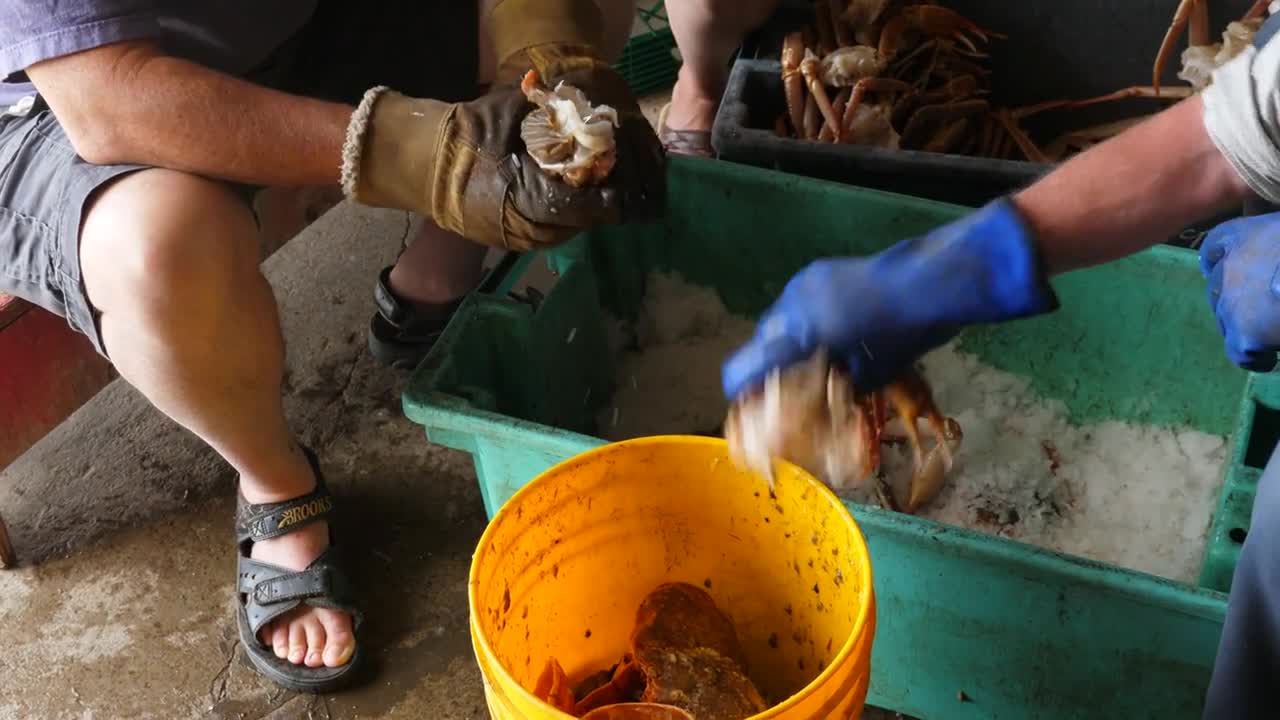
pixel 1200 61
pixel 566 135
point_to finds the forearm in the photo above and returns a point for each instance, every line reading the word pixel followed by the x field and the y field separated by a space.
pixel 1131 192
pixel 131 104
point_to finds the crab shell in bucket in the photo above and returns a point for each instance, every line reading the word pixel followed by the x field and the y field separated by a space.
pixel 684 660
pixel 810 415
pixel 566 135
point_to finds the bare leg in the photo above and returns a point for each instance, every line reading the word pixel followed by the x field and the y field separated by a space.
pixel 707 32
pixel 171 262
pixel 435 270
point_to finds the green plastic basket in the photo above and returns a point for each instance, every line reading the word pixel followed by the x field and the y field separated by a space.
pixel 1022 631
pixel 647 62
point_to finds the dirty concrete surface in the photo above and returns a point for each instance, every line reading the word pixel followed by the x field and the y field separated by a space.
pixel 122 607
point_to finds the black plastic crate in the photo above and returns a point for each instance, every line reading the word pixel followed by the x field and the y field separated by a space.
pixel 1051 50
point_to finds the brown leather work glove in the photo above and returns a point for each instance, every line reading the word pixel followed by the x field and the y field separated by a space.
pixel 464 164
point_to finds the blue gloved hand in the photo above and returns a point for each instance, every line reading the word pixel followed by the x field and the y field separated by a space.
pixel 876 315
pixel 1240 259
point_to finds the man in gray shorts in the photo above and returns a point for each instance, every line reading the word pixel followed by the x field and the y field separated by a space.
pixel 136 129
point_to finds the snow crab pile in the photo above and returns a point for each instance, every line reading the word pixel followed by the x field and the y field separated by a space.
pixel 811 415
pixel 684 663
pixel 909 74
pixel 889 73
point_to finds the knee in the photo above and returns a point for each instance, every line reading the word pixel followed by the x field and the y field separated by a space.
pixel 166 235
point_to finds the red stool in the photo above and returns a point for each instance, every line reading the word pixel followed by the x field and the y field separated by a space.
pixel 47 371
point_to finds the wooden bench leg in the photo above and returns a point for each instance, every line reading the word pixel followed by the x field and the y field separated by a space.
pixel 8 559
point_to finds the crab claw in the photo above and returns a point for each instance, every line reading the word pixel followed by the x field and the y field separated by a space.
pixel 930 475
pixel 553 687
pixel 931 20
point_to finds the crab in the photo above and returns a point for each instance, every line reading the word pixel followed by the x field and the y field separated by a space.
pixel 811 415
pixel 873 59
pixel 566 135
pixel 684 661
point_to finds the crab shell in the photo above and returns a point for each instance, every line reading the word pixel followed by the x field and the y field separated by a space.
pixel 807 414
pixel 690 656
pixel 567 136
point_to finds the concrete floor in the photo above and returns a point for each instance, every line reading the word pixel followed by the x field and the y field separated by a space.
pixel 123 606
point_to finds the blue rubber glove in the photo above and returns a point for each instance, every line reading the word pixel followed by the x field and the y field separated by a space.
pixel 876 315
pixel 1240 259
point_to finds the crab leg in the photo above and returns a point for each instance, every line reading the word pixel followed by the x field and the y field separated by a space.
pixel 946 139
pixel 793 84
pixel 809 69
pixel 828 133
pixel 811 120
pixel 986 143
pixel 1257 10
pixel 1173 93
pixel 930 477
pixel 1028 148
pixel 1194 12
pixel 860 89
pixel 933 20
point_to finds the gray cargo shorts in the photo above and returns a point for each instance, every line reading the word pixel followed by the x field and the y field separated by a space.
pixel 427 49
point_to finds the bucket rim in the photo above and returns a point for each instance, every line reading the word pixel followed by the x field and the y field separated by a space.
pixel 862 620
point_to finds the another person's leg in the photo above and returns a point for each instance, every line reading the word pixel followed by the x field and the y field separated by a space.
pixel 419 294
pixel 1248 660
pixel 707 32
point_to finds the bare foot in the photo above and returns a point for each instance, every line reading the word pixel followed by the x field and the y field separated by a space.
pixel 308 635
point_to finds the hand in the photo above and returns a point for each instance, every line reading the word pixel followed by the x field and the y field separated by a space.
pixel 464 166
pixel 1240 260
pixel 639 175
pixel 878 314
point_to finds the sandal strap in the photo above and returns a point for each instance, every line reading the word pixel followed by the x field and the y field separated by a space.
pixel 389 306
pixel 313 582
pixel 263 521
pixel 270 591
pixel 687 142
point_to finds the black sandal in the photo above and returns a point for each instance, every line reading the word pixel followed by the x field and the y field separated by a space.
pixel 268 591
pixel 398 337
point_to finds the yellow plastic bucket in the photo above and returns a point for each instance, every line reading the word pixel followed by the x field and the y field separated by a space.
pixel 565 563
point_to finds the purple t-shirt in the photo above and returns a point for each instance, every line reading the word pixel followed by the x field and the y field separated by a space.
pixel 232 36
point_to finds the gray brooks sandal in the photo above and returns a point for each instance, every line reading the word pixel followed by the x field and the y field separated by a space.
pixel 268 591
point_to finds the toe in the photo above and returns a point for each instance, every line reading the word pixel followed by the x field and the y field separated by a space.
pixel 315 640
pixel 280 639
pixel 297 641
pixel 340 643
